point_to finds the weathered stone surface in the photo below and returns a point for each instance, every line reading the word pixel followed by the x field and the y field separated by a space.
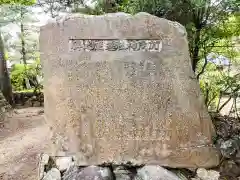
pixel 182 174
pixel 4 108
pixel 230 147
pixel 45 159
pixel 207 174
pixel 28 99
pixel 64 163
pixel 88 173
pixel 53 174
pixel 122 173
pixel 155 173
pixel 71 173
pixel 237 160
pixel 230 169
pixel 124 92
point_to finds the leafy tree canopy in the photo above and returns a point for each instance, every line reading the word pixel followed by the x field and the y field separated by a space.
pixel 14 2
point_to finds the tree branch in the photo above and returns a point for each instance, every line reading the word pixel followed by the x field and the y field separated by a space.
pixel 210 101
pixel 235 107
pixel 230 97
pixel 204 66
pixel 224 104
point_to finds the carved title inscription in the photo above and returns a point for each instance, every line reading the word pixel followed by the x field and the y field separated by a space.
pixel 115 45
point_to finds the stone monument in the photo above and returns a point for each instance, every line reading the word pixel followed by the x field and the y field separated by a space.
pixel 120 89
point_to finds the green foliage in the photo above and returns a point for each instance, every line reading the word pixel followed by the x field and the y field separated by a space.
pixel 21 72
pixel 22 48
pixel 208 84
pixel 102 7
pixel 26 44
pixel 158 8
pixel 22 2
pixel 218 80
pixel 18 76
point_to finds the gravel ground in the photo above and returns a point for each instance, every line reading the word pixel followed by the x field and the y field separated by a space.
pixel 22 138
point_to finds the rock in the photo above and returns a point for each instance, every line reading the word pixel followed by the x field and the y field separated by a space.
pixel 149 53
pixel 64 163
pixel 230 169
pixel 71 173
pixel 4 107
pixel 184 173
pixel 237 157
pixel 226 126
pixel 41 173
pixel 45 159
pixel 151 172
pixel 41 111
pixel 230 147
pixel 122 173
pixel 180 175
pixel 53 174
pixel 88 173
pixel 204 174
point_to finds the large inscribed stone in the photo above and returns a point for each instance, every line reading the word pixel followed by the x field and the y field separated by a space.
pixel 120 89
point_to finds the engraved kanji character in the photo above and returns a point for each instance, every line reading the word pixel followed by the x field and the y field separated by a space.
pixel 112 45
pixel 99 45
pixel 143 45
pixel 76 44
pixel 155 45
pixel 123 45
pixel 90 45
pixel 134 45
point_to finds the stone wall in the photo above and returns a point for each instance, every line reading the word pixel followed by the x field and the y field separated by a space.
pixel 4 108
pixel 28 99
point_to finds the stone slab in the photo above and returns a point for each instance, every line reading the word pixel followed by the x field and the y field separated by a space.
pixel 120 88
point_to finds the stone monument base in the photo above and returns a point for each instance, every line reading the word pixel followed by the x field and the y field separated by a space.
pixel 64 168
pixel 182 158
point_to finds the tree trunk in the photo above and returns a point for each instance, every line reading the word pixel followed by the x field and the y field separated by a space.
pixel 196 48
pixel 23 50
pixel 5 83
pixel 23 45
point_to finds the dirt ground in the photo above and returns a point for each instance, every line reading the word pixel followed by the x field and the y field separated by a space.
pixel 23 137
